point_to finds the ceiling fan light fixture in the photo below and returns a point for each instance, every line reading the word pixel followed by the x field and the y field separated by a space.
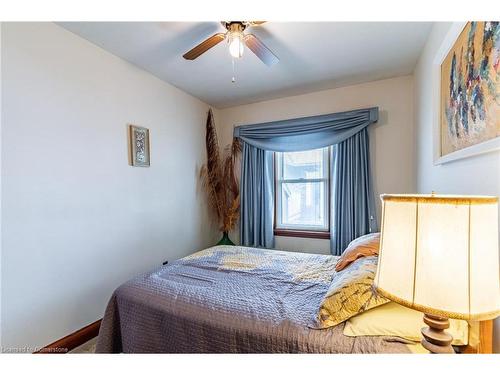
pixel 236 45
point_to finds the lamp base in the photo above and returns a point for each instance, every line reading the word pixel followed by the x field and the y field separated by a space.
pixel 436 340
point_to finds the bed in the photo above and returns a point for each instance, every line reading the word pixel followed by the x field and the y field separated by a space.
pixel 231 299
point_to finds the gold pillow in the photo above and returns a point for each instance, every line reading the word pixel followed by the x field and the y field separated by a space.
pixel 393 319
pixel 351 292
pixel 363 246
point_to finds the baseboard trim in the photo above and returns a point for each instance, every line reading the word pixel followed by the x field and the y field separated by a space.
pixel 73 340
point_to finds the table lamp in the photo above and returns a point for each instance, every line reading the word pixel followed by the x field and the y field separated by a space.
pixel 439 255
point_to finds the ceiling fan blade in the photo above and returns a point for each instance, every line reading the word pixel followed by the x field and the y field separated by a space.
pixel 255 23
pixel 260 50
pixel 204 46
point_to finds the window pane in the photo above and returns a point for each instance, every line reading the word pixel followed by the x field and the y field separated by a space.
pixel 303 164
pixel 303 204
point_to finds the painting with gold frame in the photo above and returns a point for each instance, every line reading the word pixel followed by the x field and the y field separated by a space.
pixel 469 92
pixel 139 146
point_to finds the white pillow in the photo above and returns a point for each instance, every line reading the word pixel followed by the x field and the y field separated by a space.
pixel 393 319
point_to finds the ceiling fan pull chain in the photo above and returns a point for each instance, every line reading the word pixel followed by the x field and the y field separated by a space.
pixel 233 80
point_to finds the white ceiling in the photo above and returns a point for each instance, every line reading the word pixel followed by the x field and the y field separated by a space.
pixel 313 55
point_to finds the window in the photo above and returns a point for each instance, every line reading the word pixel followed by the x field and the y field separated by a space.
pixel 302 193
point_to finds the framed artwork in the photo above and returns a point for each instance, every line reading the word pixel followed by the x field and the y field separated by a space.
pixel 139 146
pixel 468 115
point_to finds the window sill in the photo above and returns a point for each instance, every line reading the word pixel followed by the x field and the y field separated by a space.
pixel 301 233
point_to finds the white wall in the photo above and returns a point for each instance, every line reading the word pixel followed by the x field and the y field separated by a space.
pixel 391 139
pixel 77 219
pixel 475 175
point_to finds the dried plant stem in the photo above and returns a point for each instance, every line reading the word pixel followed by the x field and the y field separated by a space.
pixel 219 180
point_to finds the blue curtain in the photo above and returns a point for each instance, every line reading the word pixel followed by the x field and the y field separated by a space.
pixel 257 197
pixel 353 207
pixel 306 133
pixel 257 175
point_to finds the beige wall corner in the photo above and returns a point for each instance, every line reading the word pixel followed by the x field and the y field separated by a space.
pixel 392 139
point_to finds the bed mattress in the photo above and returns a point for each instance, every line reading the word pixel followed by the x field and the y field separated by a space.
pixel 231 299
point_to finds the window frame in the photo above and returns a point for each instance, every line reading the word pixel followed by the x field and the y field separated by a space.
pixel 301 231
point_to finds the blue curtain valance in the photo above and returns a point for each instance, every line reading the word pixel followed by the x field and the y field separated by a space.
pixel 306 133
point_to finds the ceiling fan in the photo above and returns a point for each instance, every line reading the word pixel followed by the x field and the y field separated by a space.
pixel 237 39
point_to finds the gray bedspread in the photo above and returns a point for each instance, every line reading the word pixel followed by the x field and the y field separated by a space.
pixel 230 299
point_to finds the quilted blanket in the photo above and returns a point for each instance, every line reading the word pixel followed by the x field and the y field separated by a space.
pixel 230 299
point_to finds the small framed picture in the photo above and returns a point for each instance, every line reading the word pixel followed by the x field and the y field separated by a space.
pixel 139 146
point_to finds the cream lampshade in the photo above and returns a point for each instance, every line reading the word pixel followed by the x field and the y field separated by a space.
pixel 439 255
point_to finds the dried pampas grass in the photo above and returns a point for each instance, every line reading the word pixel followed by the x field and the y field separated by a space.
pixel 219 179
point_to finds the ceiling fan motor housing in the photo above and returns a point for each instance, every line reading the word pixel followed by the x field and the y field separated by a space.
pixel 235 26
